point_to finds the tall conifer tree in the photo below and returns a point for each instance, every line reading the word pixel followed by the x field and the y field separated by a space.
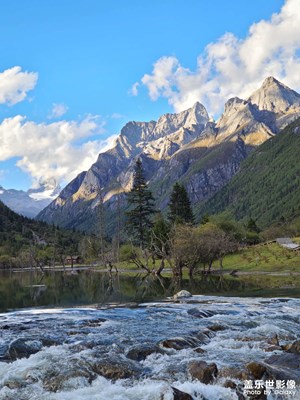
pixel 180 209
pixel 141 203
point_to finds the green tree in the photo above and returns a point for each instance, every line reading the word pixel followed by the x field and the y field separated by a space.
pixel 180 209
pixel 160 241
pixel 141 208
pixel 202 244
pixel 251 226
pixel 161 229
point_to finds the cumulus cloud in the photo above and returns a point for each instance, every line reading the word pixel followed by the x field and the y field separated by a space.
pixel 58 150
pixel 58 110
pixel 14 85
pixel 232 66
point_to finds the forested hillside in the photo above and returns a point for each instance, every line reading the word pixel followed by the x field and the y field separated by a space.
pixel 24 240
pixel 267 187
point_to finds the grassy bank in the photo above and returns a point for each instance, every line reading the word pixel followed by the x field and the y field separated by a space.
pixel 261 258
pixel 268 258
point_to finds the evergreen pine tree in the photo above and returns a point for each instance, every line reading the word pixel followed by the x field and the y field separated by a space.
pixel 180 209
pixel 141 203
pixel 251 226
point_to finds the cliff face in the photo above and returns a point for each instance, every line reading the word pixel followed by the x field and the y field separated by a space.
pixel 184 147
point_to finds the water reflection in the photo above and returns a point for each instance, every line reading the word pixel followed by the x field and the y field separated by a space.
pixel 33 289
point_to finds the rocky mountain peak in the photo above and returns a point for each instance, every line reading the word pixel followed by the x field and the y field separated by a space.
pixel 276 97
pixel 269 81
pixel 184 146
pixel 187 119
pixel 233 104
pixel 138 131
pixel 194 118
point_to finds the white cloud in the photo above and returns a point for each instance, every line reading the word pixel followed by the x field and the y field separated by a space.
pixel 117 116
pixel 58 150
pixel 232 66
pixel 58 110
pixel 14 85
pixel 134 91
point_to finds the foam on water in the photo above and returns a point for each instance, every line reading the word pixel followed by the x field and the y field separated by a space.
pixel 85 339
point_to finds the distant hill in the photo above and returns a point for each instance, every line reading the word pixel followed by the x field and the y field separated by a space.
pixel 20 236
pixel 267 187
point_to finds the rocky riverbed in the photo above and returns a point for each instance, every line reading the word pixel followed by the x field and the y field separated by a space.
pixel 198 347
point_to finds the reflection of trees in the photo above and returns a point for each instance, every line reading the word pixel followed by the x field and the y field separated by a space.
pixel 89 287
pixel 151 286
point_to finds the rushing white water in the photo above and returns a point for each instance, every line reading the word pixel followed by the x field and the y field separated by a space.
pixel 68 343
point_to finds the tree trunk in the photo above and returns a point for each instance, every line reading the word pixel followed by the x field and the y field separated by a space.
pixel 221 262
pixel 162 266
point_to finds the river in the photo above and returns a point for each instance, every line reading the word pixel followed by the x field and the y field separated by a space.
pixel 60 335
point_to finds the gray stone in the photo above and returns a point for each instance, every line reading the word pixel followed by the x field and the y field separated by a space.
pixel 183 294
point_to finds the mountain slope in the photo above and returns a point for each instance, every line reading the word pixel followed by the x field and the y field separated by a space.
pixel 185 147
pixel 30 203
pixel 21 236
pixel 267 187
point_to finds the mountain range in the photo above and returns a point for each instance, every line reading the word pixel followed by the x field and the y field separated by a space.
pixel 186 147
pixel 31 202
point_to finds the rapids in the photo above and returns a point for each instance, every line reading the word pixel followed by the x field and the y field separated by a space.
pixel 62 350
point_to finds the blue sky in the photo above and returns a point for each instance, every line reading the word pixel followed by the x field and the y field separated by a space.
pixel 90 66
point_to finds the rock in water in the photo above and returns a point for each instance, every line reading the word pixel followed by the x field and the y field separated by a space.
pixel 142 352
pixel 179 343
pixel 23 348
pixel 283 366
pixel 185 342
pixel 116 368
pixel 257 370
pixel 295 347
pixel 203 371
pixel 179 395
pixel 183 294
pixel 195 312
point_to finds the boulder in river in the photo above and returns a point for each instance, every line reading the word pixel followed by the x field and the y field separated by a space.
pixel 183 294
pixel 56 380
pixel 141 352
pixel 179 343
pixel 217 328
pixel 116 368
pixel 185 342
pixel 15 383
pixel 230 384
pixel 256 369
pixel 294 348
pixel 284 366
pixel 204 372
pixel 179 395
pixel 93 323
pixel 235 373
pixel 25 347
pixel 273 341
pixel 196 312
pixel 21 348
